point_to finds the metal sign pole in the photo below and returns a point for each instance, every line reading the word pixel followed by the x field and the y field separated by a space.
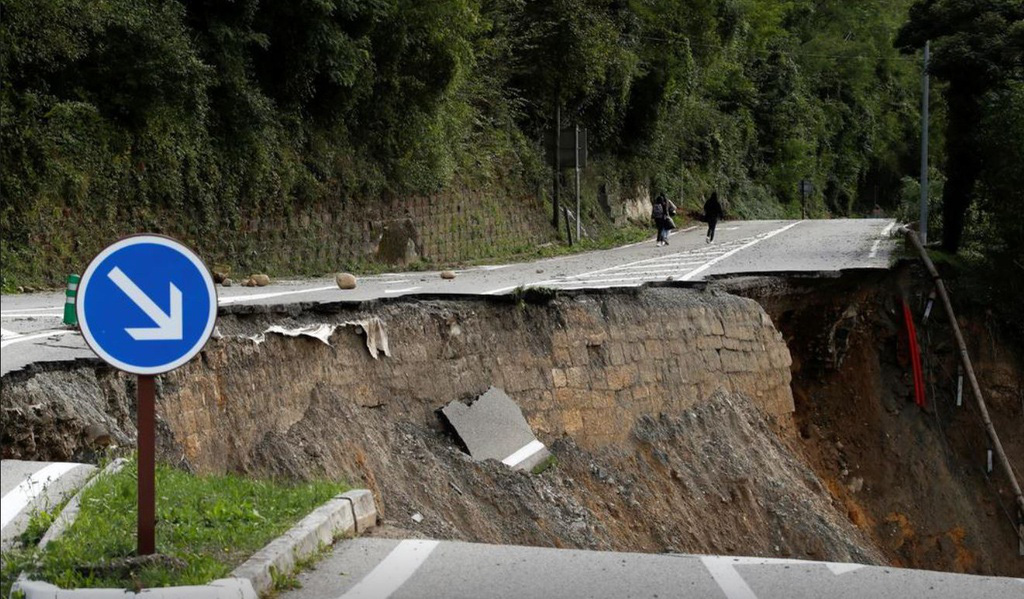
pixel 147 464
pixel 579 213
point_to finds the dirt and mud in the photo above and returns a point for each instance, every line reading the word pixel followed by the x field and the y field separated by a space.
pixel 679 419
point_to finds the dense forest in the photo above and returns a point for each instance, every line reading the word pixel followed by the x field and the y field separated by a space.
pixel 214 107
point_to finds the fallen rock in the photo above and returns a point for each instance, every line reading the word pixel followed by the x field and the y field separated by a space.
pixel 345 280
pixel 227 282
pixel 97 435
pixel 261 280
pixel 248 283
pixel 447 274
pixel 219 276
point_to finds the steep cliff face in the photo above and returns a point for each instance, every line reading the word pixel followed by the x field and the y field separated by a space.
pixel 670 413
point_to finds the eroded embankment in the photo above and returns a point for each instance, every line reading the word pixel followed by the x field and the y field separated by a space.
pixel 914 479
pixel 666 409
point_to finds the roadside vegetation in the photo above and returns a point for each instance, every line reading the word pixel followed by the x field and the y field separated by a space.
pixel 206 526
pixel 193 118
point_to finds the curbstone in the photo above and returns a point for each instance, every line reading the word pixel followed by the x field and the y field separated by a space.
pixel 346 514
pixel 363 508
pixel 68 515
pixel 224 588
pixel 321 527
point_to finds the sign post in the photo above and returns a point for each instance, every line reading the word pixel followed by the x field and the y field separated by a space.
pixel 806 189
pixel 129 287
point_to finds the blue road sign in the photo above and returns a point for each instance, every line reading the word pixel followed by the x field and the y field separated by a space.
pixel 146 304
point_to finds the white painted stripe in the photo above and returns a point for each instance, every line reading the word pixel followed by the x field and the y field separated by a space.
pixel 728 579
pixel 406 290
pixel 392 572
pixel 875 249
pixel 5 334
pixel 259 296
pixel 15 311
pixel 9 342
pixel 73 286
pixel 840 569
pixel 888 229
pixel 523 453
pixel 756 240
pixel 70 300
pixel 20 496
pixel 28 315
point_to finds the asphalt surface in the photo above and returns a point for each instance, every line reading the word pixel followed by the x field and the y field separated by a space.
pixel 381 568
pixel 29 487
pixel 32 329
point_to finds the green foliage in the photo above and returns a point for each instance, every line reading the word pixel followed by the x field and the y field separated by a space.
pixel 213 523
pixel 209 120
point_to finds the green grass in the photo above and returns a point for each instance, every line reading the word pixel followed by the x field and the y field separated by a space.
pixel 213 523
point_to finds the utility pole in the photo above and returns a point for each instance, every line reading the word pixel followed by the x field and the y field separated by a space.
pixel 558 165
pixel 924 145
pixel 579 215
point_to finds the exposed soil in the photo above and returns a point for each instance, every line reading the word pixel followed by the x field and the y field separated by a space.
pixel 913 479
pixel 677 440
pixel 714 479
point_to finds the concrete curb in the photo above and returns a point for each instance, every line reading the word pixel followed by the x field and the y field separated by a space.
pixel 68 515
pixel 332 520
pixel 347 514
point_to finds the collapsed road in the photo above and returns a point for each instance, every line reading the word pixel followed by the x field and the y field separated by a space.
pixel 32 332
pixel 671 413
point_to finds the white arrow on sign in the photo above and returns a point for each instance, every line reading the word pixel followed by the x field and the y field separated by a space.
pixel 169 326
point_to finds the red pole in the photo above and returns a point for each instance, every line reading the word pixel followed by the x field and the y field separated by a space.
pixel 147 464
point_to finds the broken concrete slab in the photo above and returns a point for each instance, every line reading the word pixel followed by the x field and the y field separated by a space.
pixel 493 428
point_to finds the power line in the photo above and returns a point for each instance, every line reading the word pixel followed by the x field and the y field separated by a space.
pixel 688 42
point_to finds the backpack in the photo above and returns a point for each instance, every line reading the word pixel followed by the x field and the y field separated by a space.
pixel 658 211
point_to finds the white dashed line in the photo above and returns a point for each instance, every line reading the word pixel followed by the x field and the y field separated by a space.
pixel 259 296
pixel 9 342
pixel 20 496
pixel 406 290
pixel 392 572
pixel 756 240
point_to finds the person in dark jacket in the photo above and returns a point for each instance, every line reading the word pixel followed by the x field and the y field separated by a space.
pixel 712 212
pixel 661 213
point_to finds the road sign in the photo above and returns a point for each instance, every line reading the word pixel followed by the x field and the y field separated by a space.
pixel 146 304
pixel 568 152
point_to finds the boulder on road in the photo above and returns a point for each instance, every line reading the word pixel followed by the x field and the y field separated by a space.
pixel 261 280
pixel 447 274
pixel 345 280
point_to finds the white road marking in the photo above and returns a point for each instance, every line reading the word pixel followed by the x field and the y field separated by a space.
pixel 406 290
pixel 885 234
pixel 756 240
pixel 523 453
pixel 29 315
pixel 258 296
pixel 728 579
pixel 20 496
pixel 9 342
pixel 5 334
pixel 392 572
pixel 15 311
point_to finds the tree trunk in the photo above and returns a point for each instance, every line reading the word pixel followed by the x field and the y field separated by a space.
pixel 963 163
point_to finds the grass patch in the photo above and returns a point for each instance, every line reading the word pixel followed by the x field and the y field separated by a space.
pixel 207 524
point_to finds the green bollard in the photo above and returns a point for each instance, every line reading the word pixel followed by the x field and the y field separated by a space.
pixel 70 317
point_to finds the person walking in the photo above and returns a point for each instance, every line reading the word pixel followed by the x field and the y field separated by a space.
pixel 712 212
pixel 661 213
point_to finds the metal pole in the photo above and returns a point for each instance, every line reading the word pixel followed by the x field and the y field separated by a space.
pixel 924 144
pixel 558 165
pixel 147 464
pixel 579 214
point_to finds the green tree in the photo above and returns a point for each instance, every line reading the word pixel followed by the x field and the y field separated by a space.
pixel 978 49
